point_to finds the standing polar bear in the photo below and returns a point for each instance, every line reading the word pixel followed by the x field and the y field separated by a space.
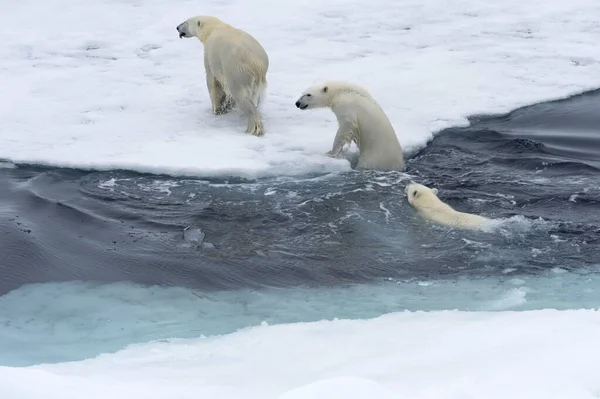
pixel 360 120
pixel 428 205
pixel 236 67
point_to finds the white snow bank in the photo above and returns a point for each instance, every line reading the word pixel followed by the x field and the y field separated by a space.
pixel 545 354
pixel 107 84
pixel 340 388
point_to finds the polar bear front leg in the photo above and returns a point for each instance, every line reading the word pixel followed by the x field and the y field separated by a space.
pixel 343 136
pixel 214 88
pixel 224 102
pixel 210 84
pixel 218 98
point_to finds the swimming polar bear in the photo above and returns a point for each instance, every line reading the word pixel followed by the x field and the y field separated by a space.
pixel 428 205
pixel 236 67
pixel 360 120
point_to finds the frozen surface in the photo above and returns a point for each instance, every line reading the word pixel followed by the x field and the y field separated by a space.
pixel 547 354
pixel 108 84
pixel 50 323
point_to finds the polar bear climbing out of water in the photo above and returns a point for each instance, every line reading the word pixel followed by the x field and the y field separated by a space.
pixel 236 67
pixel 428 205
pixel 360 120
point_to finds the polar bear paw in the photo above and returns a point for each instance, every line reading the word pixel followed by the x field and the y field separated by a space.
pixel 256 128
pixel 224 105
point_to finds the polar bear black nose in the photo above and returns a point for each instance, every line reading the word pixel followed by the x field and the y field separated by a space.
pixel 298 103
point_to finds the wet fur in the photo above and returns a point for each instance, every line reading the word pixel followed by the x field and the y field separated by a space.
pixel 429 206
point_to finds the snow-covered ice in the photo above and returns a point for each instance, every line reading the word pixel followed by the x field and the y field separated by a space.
pixel 108 84
pixel 545 354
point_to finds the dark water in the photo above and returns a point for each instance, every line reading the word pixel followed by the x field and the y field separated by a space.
pixel 539 165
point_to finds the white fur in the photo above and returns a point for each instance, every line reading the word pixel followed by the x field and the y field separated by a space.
pixel 427 203
pixel 360 120
pixel 236 67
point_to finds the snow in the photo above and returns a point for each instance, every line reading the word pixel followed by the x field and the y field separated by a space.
pixel 546 354
pixel 108 84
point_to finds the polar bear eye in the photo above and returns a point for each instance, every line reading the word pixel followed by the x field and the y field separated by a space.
pixel 308 95
pixel 325 89
pixel 415 193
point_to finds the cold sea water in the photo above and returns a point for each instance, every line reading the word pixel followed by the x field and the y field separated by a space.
pixel 91 262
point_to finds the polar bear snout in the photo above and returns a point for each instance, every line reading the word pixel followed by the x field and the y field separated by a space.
pixel 183 31
pixel 302 103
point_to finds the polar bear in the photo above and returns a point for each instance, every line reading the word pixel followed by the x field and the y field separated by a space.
pixel 428 205
pixel 236 67
pixel 360 120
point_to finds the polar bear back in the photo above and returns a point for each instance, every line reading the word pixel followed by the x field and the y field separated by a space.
pixel 375 135
pixel 236 52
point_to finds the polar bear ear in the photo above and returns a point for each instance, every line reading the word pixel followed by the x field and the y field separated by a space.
pixel 325 89
pixel 434 190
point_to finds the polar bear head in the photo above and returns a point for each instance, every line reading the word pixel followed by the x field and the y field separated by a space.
pixel 200 26
pixel 316 96
pixel 420 196
pixel 325 94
